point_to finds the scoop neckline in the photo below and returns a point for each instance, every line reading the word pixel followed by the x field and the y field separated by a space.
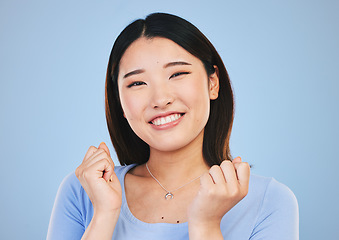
pixel 128 215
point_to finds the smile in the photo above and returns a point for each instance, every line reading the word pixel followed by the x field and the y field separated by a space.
pixel 168 119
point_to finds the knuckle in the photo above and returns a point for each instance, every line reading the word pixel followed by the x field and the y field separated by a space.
pixel 77 171
pixel 84 174
pixel 214 168
pixel 245 165
pixel 102 161
pixel 92 148
pixel 226 163
pixel 223 191
pixel 99 151
pixel 237 164
pixel 107 160
pixel 235 193
pixel 211 192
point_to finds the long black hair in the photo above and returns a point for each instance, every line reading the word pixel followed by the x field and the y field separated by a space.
pixel 128 146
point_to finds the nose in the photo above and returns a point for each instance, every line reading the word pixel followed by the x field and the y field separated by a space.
pixel 161 96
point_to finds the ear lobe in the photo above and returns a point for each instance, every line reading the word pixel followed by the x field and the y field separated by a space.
pixel 214 84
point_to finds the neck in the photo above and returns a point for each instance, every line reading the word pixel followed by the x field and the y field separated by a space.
pixel 175 168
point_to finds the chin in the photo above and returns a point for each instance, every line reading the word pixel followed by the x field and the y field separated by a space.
pixel 166 147
pixel 170 146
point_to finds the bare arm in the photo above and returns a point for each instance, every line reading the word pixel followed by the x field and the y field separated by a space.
pixel 96 175
pixel 221 189
pixel 101 227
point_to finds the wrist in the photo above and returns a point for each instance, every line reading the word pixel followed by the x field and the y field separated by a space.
pixel 106 216
pixel 101 226
pixel 210 230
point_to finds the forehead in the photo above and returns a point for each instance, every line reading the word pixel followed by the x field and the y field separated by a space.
pixel 145 52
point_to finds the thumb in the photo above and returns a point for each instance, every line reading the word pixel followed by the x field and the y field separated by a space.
pixel 236 160
pixel 104 147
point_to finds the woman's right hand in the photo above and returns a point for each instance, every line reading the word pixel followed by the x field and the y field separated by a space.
pixel 96 175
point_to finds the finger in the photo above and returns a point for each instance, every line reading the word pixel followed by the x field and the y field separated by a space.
pixel 217 174
pixel 206 181
pixel 97 153
pixel 100 153
pixel 90 152
pixel 236 160
pixel 243 173
pixel 113 178
pixel 104 146
pixel 93 153
pixel 102 169
pixel 229 172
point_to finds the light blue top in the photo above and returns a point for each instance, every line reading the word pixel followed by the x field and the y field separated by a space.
pixel 269 211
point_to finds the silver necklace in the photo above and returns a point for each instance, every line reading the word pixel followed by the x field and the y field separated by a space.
pixel 169 194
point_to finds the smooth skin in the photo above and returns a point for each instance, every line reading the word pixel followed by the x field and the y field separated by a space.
pixel 97 177
pixel 221 189
pixel 159 89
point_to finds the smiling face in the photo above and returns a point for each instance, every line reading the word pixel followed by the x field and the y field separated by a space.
pixel 165 93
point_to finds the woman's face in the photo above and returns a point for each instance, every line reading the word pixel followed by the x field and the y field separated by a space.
pixel 165 93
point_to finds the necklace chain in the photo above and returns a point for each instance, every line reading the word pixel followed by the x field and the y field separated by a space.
pixel 169 193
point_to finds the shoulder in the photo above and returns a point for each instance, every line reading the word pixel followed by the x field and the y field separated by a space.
pixel 266 193
pixel 269 210
pixel 274 193
pixel 70 186
pixel 268 183
pixel 278 213
pixel 121 171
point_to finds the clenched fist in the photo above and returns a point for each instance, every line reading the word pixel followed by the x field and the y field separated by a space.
pixel 96 175
pixel 220 190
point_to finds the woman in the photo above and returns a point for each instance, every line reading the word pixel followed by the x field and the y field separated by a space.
pixel 169 110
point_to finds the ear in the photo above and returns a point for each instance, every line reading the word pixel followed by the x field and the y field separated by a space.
pixel 214 84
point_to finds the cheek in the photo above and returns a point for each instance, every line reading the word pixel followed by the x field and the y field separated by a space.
pixel 198 94
pixel 197 98
pixel 131 105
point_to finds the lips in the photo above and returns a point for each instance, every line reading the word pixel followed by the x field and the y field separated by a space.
pixel 158 121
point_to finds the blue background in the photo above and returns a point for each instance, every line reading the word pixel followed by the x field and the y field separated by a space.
pixel 282 57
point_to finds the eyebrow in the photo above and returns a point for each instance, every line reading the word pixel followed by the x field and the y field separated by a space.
pixel 138 71
pixel 170 64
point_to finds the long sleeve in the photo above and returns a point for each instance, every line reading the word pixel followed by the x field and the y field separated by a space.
pixel 279 215
pixel 67 219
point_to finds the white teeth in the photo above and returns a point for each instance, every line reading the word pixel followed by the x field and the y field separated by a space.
pixel 167 119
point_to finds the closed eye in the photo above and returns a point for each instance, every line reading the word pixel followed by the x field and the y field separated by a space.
pixel 138 83
pixel 178 74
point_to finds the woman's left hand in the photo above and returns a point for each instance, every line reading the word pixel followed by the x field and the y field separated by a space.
pixel 220 190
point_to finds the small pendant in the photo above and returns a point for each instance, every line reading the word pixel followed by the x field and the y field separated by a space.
pixel 168 196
